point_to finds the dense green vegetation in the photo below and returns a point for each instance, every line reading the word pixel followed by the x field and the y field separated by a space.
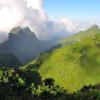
pixel 28 85
pixel 75 65
pixel 68 71
pixel 72 66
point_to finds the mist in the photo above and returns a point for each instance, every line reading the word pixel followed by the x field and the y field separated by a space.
pixel 31 13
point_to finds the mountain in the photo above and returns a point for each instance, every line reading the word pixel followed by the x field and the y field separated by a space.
pixel 46 44
pixel 75 65
pixel 9 60
pixel 22 43
pixel 82 34
pixel 50 43
pixel 3 36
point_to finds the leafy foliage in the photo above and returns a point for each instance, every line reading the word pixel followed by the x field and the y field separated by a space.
pixel 15 85
pixel 27 85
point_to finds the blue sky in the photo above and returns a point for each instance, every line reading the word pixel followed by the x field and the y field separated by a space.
pixel 64 15
pixel 73 9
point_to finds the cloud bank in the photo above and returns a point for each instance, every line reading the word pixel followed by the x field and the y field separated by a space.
pixel 31 13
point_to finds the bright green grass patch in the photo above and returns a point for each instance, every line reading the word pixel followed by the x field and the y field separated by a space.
pixel 75 65
pixel 72 66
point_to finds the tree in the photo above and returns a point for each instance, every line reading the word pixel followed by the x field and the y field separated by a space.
pixel 49 82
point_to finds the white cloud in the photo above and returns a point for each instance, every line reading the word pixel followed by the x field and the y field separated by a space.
pixel 24 13
pixel 35 5
pixel 9 18
pixel 31 13
pixel 67 24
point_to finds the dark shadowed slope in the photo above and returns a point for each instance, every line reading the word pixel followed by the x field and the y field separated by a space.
pixel 9 60
pixel 23 43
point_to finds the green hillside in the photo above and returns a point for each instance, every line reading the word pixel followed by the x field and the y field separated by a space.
pixel 72 66
pixel 82 34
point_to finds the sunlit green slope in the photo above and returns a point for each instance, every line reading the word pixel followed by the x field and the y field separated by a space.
pixel 72 66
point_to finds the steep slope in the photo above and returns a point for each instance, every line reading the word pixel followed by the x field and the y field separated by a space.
pixel 72 66
pixel 23 43
pixel 9 60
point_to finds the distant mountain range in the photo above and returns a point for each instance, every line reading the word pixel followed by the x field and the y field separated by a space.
pixel 74 64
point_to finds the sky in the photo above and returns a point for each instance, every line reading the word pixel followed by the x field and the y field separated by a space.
pixel 49 18
pixel 74 9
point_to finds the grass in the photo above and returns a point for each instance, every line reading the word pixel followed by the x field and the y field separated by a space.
pixel 73 66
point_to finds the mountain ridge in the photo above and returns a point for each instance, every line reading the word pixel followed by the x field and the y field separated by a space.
pixel 71 66
pixel 80 35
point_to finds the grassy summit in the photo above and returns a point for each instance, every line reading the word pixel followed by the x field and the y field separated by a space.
pixel 91 32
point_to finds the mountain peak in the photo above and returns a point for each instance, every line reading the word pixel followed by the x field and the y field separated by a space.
pixel 18 31
pixel 26 28
pixel 23 43
pixel 94 27
pixel 15 30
